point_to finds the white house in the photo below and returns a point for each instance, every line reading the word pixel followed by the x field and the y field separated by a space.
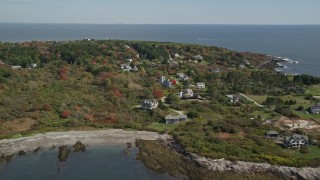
pixel 182 76
pixel 149 104
pixel 16 67
pixel 33 65
pixel 175 119
pixel 198 57
pixel 200 85
pixel 186 94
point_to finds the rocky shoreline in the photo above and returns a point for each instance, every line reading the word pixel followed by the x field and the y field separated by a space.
pixel 88 138
pixel 10 147
pixel 222 165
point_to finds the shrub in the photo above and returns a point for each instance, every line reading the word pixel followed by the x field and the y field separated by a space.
pixel 193 114
pixel 47 107
pixel 304 150
pixel 65 114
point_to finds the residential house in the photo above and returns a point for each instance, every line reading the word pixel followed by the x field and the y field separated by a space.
pixel 268 121
pixel 242 66
pixel 315 109
pixel 165 82
pixel 149 104
pixel 182 76
pixel 33 65
pixel 125 67
pixel 175 119
pixel 273 134
pixel 295 89
pixel 186 94
pixel 200 85
pixel 234 98
pixel 198 57
pixel 296 140
pixel 215 70
pixel 16 67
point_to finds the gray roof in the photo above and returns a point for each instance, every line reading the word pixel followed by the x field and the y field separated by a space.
pixel 272 132
pixel 297 136
pixel 176 117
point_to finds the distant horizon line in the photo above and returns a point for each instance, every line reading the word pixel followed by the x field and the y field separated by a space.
pixel 159 24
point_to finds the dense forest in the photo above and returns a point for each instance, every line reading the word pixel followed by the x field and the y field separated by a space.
pixel 80 84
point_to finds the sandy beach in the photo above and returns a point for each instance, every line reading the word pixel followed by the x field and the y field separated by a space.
pixel 89 138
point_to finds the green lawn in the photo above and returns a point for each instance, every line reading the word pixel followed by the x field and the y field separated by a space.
pixel 314 153
pixel 308 116
pixel 209 115
pixel 259 99
pixel 314 90
pixel 162 126
pixel 264 114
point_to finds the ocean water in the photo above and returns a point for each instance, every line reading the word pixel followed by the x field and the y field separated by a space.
pixel 297 42
pixel 105 162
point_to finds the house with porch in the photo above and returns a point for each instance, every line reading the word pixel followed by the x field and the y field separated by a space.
pixel 186 94
pixel 200 85
pixel 315 109
pixel 149 104
pixel 175 119
pixel 273 134
pixel 296 141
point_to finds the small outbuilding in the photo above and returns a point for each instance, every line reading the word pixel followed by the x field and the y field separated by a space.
pixel 273 134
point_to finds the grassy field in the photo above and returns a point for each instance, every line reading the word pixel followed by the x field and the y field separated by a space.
pixel 314 90
pixel 257 98
pixel 314 153
pixel 162 126
pixel 308 116
pixel 209 115
pixel 264 114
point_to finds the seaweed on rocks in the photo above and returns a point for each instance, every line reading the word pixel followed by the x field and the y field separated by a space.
pixel 21 153
pixel 6 158
pixel 160 158
pixel 79 146
pixel 64 153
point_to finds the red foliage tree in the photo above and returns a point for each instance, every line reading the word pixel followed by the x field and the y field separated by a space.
pixel 65 114
pixel 158 94
pixel 173 81
pixel 117 93
pixel 63 73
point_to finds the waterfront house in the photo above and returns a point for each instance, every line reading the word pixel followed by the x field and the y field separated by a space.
pixel 315 109
pixel 149 104
pixel 200 85
pixel 296 140
pixel 175 119
pixel 273 134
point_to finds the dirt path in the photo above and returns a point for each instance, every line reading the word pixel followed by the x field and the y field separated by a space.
pixel 252 100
